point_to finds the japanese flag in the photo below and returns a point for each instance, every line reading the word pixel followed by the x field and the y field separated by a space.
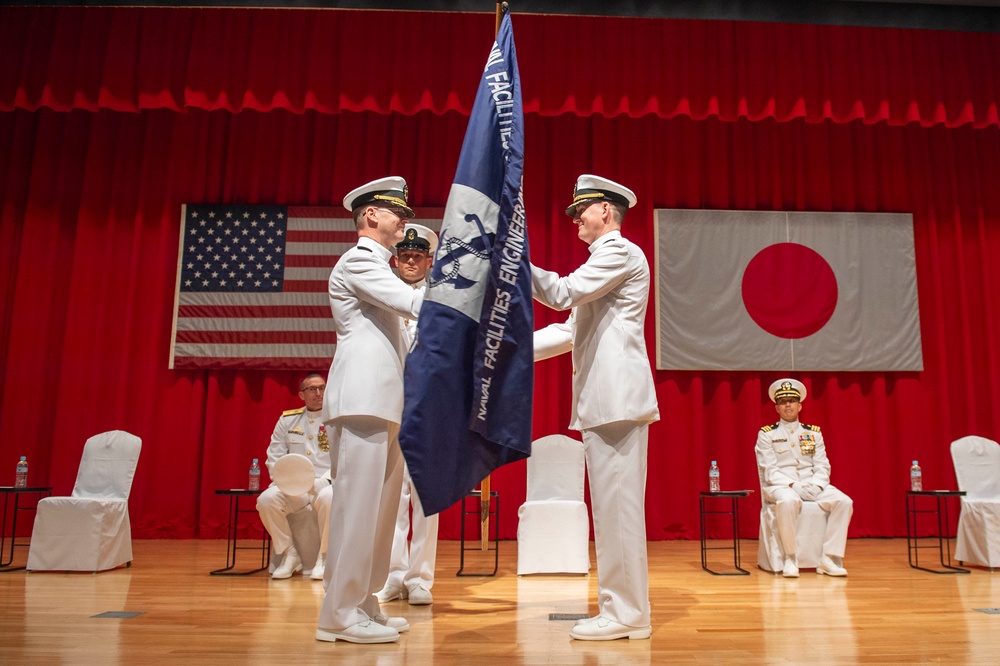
pixel 754 290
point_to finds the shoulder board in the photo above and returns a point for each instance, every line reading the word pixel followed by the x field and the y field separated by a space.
pixel 810 427
pixel 293 412
pixel 362 247
pixel 769 428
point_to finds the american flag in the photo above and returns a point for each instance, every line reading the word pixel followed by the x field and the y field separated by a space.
pixel 252 283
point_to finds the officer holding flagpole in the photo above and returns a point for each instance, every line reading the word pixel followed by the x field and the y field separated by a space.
pixel 614 399
pixel 363 408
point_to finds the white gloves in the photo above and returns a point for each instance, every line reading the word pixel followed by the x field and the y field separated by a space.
pixel 807 491
pixel 318 485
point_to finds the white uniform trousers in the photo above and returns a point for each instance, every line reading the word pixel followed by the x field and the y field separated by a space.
pixel 409 567
pixel 837 506
pixel 616 466
pixel 274 507
pixel 365 499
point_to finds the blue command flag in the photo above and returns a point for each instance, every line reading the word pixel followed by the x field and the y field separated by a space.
pixel 469 376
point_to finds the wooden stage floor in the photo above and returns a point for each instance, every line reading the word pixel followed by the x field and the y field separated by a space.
pixel 884 612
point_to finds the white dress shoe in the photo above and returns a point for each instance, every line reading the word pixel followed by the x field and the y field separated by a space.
pixel 390 593
pixel 368 631
pixel 829 567
pixel 289 565
pixel 398 623
pixel 603 629
pixel 318 568
pixel 587 620
pixel 791 568
pixel 418 595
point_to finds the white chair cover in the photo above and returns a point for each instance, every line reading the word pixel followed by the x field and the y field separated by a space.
pixel 305 537
pixel 810 530
pixel 553 532
pixel 977 468
pixel 90 530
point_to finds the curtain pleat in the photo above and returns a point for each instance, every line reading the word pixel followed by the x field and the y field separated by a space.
pixel 131 59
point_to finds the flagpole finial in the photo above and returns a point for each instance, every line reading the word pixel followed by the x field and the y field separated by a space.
pixel 502 9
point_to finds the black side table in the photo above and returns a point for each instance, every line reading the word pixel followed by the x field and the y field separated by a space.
pixel 943 541
pixel 16 492
pixel 734 512
pixel 233 531
pixel 495 521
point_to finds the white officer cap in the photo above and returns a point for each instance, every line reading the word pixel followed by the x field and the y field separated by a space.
pixel 787 388
pixel 418 237
pixel 391 191
pixel 594 188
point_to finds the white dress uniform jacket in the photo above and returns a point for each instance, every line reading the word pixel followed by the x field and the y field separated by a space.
pixel 779 454
pixel 297 431
pixel 612 380
pixel 367 300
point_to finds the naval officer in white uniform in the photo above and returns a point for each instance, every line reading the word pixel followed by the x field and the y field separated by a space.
pixel 795 468
pixel 363 408
pixel 411 566
pixel 299 431
pixel 614 399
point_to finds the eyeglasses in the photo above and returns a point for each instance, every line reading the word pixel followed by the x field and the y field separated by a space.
pixel 314 389
pixel 398 212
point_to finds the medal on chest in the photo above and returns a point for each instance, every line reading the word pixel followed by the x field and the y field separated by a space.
pixel 807 444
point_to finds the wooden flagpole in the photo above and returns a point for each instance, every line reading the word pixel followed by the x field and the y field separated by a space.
pixel 484 486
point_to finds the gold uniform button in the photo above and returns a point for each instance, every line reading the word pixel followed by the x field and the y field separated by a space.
pixel 310 438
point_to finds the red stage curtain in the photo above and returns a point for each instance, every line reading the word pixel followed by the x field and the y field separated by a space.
pixel 129 59
pixel 91 205
pixel 98 160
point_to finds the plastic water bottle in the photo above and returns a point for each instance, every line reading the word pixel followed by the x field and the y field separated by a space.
pixel 21 476
pixel 916 478
pixel 254 482
pixel 713 478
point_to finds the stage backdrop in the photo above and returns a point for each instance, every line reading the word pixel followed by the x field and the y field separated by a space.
pixel 111 119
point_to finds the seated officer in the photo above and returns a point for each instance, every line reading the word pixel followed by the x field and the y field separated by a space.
pixel 299 431
pixel 795 470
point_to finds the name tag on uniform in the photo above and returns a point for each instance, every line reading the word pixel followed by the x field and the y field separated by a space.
pixel 296 431
pixel 778 441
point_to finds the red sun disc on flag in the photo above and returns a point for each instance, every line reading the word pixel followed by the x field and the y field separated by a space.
pixel 789 290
